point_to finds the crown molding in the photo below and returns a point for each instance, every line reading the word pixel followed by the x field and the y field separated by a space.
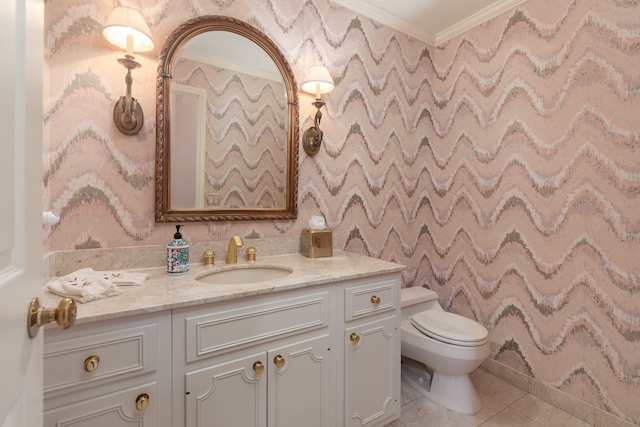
pixel 433 39
pixel 220 62
pixel 388 19
pixel 476 19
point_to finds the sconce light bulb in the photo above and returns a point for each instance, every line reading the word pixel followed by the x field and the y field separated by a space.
pixel 129 48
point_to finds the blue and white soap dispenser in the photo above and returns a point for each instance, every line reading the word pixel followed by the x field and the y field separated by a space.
pixel 177 254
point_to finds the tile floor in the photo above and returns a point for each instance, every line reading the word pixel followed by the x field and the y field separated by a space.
pixel 503 405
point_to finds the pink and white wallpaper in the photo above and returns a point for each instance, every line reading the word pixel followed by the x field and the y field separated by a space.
pixel 502 168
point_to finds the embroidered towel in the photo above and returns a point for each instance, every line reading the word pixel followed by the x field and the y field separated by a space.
pixel 123 278
pixel 84 285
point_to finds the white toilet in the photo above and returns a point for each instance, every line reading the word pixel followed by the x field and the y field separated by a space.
pixel 451 346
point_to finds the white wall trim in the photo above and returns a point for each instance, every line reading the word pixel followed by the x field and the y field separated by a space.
pixel 388 19
pixel 476 19
pixel 404 26
pixel 573 405
pixel 229 65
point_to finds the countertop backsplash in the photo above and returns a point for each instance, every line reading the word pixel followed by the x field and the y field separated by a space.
pixel 59 263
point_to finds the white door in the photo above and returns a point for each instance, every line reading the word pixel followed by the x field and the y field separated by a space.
pixel 21 104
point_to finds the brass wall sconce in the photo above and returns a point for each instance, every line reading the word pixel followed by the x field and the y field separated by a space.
pixel 316 80
pixel 127 29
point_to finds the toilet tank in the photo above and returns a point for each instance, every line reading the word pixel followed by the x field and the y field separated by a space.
pixel 416 299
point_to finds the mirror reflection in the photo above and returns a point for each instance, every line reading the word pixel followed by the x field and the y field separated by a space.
pixel 231 135
pixel 230 118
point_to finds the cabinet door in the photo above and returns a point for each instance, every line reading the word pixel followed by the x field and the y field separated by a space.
pixel 112 410
pixel 232 393
pixel 372 377
pixel 300 384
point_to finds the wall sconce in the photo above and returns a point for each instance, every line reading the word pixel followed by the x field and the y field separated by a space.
pixel 127 29
pixel 316 80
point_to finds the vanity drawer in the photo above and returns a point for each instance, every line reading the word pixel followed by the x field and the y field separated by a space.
pixel 112 409
pixel 371 298
pixel 210 332
pixel 89 358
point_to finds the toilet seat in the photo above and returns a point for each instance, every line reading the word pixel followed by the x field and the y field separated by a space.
pixel 450 328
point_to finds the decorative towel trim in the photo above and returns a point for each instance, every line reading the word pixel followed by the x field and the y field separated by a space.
pixel 84 285
pixel 124 278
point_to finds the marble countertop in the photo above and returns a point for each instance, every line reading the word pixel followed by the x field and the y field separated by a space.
pixel 164 292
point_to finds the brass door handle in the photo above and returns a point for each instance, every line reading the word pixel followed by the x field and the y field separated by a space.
pixel 355 338
pixel 258 367
pixel 279 361
pixel 64 315
pixel 142 402
pixel 91 363
pixel 375 300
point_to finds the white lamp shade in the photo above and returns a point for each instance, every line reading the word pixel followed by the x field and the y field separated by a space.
pixel 317 80
pixel 123 22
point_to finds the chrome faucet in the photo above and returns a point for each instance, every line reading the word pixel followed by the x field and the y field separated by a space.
pixel 232 254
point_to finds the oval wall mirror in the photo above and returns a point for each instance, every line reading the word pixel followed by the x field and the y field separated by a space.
pixel 226 125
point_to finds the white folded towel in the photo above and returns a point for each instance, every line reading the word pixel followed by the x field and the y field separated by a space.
pixel 84 285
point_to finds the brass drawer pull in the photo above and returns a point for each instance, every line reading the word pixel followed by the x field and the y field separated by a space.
pixel 279 361
pixel 91 363
pixel 142 402
pixel 258 367
pixel 375 300
pixel 355 338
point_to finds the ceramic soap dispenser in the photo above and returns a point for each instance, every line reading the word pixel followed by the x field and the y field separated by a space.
pixel 177 254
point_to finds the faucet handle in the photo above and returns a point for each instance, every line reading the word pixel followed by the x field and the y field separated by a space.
pixel 251 254
pixel 209 257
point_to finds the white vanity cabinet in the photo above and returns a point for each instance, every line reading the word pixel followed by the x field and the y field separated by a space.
pixel 371 345
pixel 322 355
pixel 260 361
pixel 110 373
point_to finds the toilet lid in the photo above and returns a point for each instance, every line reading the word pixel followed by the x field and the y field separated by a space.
pixel 450 328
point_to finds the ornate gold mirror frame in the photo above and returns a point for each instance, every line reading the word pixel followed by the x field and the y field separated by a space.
pixel 164 212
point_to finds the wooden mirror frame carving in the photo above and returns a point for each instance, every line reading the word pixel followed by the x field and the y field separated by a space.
pixel 189 29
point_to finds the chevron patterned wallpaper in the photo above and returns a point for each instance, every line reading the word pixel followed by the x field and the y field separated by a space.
pixel 502 168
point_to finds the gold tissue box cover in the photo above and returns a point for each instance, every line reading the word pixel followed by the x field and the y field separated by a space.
pixel 316 243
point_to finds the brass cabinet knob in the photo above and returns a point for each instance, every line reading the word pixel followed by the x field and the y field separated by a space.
pixel 355 338
pixel 258 367
pixel 279 361
pixel 251 254
pixel 64 315
pixel 91 363
pixel 142 402
pixel 375 300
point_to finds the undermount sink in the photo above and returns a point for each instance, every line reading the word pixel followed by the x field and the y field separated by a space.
pixel 243 274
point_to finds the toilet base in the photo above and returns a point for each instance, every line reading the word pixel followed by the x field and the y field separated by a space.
pixel 453 392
